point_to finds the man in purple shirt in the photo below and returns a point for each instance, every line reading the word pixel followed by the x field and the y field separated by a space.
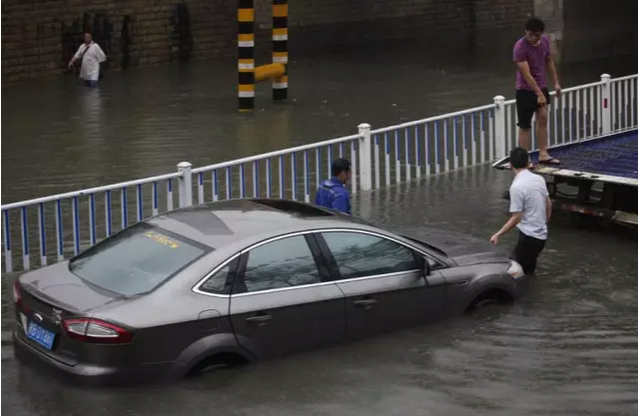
pixel 532 56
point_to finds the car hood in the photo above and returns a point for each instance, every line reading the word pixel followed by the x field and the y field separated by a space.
pixel 462 249
pixel 56 285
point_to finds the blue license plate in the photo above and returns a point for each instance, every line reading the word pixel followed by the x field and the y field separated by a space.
pixel 40 335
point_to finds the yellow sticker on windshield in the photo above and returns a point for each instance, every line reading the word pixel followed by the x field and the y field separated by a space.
pixel 162 239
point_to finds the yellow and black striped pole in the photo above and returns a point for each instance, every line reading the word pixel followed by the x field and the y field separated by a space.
pixel 246 55
pixel 280 47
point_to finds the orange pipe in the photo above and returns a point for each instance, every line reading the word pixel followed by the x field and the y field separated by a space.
pixel 270 71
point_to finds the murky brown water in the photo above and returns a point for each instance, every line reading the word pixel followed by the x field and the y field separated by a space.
pixel 58 136
pixel 569 347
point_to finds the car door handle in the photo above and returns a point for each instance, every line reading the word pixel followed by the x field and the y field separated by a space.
pixel 259 318
pixel 365 302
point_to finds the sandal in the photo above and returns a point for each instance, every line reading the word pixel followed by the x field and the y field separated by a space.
pixel 551 161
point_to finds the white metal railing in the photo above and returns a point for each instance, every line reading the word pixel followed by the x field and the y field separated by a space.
pixel 433 145
pixel 290 179
pixel 405 151
pixel 584 112
pixel 623 102
pixel 45 230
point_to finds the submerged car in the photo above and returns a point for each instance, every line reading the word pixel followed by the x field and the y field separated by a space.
pixel 243 280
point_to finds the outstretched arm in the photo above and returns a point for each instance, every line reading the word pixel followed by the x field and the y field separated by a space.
pixel 77 56
pixel 517 211
pixel 512 222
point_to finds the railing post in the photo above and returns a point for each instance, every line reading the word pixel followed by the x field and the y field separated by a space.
pixel 500 127
pixel 365 164
pixel 185 184
pixel 605 104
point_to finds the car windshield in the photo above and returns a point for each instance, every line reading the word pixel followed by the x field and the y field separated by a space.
pixel 136 260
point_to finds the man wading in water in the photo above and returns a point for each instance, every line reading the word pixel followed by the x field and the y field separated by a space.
pixel 530 209
pixel 532 57
pixel 90 56
pixel 332 193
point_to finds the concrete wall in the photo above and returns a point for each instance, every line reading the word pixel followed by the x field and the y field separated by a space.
pixel 40 36
pixel 552 13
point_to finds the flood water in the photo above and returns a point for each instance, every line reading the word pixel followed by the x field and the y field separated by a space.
pixel 569 347
pixel 59 136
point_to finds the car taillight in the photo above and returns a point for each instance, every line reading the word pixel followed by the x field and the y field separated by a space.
pixel 96 331
pixel 17 298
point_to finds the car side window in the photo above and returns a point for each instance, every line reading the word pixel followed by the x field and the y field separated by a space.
pixel 281 263
pixel 220 281
pixel 361 255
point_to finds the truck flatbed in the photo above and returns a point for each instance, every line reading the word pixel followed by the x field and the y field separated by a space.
pixel 602 169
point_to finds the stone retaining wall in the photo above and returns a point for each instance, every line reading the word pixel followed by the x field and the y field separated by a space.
pixel 40 36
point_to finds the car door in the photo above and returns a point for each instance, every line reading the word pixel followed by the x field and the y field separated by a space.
pixel 283 300
pixel 383 282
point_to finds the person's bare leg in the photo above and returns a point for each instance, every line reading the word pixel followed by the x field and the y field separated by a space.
pixel 542 133
pixel 524 142
pixel 524 138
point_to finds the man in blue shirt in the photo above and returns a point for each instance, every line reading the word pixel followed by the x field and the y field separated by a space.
pixel 332 193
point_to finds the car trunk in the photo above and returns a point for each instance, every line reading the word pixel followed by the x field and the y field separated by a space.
pixel 48 296
pixel 58 286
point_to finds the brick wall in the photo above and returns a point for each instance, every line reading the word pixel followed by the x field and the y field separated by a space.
pixel 40 36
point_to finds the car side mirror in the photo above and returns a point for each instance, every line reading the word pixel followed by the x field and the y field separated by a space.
pixel 425 266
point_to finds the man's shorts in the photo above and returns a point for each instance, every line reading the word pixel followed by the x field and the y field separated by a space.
pixel 527 106
pixel 527 251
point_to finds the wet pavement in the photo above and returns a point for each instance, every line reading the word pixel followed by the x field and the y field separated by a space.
pixel 568 347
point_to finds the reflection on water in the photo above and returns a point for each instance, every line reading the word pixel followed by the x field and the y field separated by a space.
pixel 91 109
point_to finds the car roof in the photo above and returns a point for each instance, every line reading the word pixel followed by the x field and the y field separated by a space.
pixel 221 223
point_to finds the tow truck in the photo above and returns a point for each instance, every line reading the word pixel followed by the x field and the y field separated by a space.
pixel 596 177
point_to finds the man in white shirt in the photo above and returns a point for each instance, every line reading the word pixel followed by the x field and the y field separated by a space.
pixel 91 56
pixel 530 209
